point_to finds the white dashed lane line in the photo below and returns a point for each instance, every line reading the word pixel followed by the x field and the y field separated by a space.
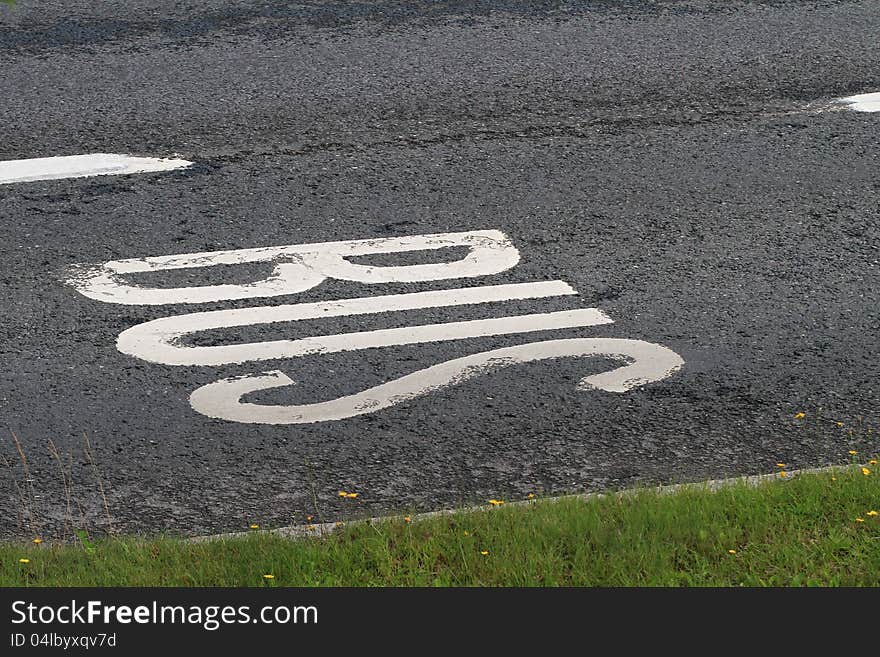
pixel 863 102
pixel 81 166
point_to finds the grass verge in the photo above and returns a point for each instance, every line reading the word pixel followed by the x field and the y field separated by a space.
pixel 788 532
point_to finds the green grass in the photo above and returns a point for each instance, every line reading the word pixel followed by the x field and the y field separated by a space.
pixel 789 532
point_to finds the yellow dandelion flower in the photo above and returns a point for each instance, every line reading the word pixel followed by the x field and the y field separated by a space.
pixel 783 473
pixel 866 471
pixel 496 502
pixel 530 496
pixel 871 513
pixel 860 520
pixel 309 518
pixel 310 527
pixel 731 551
pixel 37 541
pixel 407 519
pixel 24 561
pixel 466 532
pixel 342 493
pixel 872 462
pixel 351 496
pixel 852 452
pixel 833 478
pixel 268 576
pixel 840 424
pixel 484 552
pixel 800 416
pixel 780 465
pixel 254 526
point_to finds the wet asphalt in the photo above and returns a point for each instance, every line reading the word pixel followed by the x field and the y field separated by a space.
pixel 681 164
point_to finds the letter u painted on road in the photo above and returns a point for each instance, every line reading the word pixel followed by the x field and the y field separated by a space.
pixel 300 267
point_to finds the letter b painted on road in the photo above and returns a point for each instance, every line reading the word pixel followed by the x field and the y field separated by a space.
pixel 296 268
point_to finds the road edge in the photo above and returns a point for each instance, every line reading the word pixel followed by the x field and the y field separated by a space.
pixel 296 532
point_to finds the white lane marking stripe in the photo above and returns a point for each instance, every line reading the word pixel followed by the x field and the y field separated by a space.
pixel 81 166
pixel 863 102
pixel 644 363
pixel 158 341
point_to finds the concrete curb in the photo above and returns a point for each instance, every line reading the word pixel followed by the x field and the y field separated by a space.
pixel 295 532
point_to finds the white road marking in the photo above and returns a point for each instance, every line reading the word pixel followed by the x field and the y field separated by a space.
pixel 863 102
pixel 298 267
pixel 82 166
pixel 646 362
pixel 157 344
pixel 159 340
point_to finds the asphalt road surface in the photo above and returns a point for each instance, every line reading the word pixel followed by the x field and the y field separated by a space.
pixel 681 166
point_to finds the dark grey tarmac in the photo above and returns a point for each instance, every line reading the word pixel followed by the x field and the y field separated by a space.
pixel 681 164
